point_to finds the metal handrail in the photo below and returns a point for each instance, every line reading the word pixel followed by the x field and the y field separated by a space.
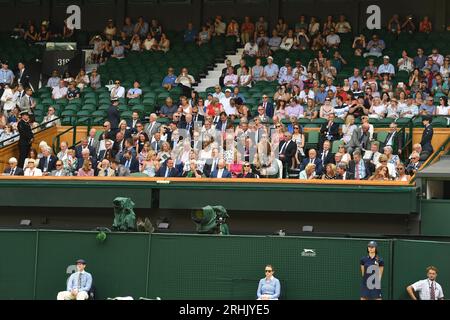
pixel 42 126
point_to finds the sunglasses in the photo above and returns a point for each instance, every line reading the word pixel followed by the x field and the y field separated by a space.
pixel 268 271
pixel 278 126
pixel 246 166
pixel 297 128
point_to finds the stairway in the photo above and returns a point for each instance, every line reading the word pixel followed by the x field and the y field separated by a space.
pixel 212 78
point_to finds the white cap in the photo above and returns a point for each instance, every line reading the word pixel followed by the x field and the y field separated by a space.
pixel 386 57
pixel 227 90
pixel 270 57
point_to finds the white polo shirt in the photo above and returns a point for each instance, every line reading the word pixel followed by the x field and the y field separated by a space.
pixel 423 288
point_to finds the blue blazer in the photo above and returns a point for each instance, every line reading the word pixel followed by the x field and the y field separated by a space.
pixel 134 165
pixel 226 174
pixel 317 162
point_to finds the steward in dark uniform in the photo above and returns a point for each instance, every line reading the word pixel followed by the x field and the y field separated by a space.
pixel 26 137
pixel 427 136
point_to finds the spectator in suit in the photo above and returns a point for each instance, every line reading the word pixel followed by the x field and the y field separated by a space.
pixel 221 171
pixel 427 136
pixel 394 139
pixel 267 105
pixel 23 75
pixel 168 170
pixel 414 164
pixel 13 169
pixel 330 130
pixel 48 162
pixel 27 103
pixel 222 125
pixel 133 122
pixel 93 140
pixel 104 169
pixel 60 171
pixel 326 155
pixel 152 126
pixel 119 170
pixel 312 158
pixel 85 156
pixel 418 148
pixel 360 168
pixel 114 114
pixel 84 146
pixel 130 162
pixel 373 155
pixel 106 153
pixel 342 173
pixel 186 126
pixel 360 139
pixel 287 151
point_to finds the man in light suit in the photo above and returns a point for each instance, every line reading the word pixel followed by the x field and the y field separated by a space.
pixel 105 169
pixel 93 140
pixel 168 170
pixel 312 158
pixel 373 155
pixel 27 103
pixel 60 171
pixel 360 139
pixel 156 142
pixel 152 126
pixel 119 170
pixel 13 169
pixel 221 172
pixel 263 118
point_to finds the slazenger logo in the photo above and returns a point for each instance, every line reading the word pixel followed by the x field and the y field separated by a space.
pixel 308 253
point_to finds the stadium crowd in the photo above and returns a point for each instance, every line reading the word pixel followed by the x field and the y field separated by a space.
pixel 218 135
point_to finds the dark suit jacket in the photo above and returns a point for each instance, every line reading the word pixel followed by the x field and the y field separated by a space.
pixel 317 162
pixel 248 176
pixel 328 159
pixel 51 164
pixel 113 116
pixel 183 125
pixel 134 165
pixel 349 176
pixel 173 173
pixel 334 131
pixel 289 151
pixel 105 154
pixel 24 80
pixel 219 125
pixel 18 172
pixel 226 174
pixel 269 109
pixel 199 118
pixel 427 136
pixel 79 149
pixel 411 167
pixel 397 141
pixel 370 168
pixel 25 132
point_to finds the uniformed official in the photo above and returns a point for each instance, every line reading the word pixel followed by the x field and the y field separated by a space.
pixel 26 137
pixel 372 267
pixel 427 136
pixel 427 289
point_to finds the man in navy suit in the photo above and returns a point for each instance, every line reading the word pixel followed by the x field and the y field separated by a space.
pixel 223 122
pixel 48 162
pixel 326 155
pixel 312 158
pixel 287 150
pixel 130 162
pixel 360 168
pixel 187 125
pixel 13 169
pixel 84 145
pixel 221 171
pixel 168 170
pixel 268 106
pixel 329 131
pixel 197 117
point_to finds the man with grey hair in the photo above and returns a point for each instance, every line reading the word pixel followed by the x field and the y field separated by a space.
pixel 414 164
pixel 48 162
pixel 104 169
pixel 221 171
pixel 342 173
pixel 60 171
pixel 360 139
pixel 152 126
pixel 361 169
pixel 13 169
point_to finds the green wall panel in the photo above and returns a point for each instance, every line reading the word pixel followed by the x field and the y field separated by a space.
pixel 199 267
pixel 18 252
pixel 411 260
pixel 118 265
pixel 435 216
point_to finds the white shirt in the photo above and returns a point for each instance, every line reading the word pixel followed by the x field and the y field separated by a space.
pixel 118 92
pixel 59 92
pixel 251 50
pixel 422 287
pixel 304 96
pixel 219 173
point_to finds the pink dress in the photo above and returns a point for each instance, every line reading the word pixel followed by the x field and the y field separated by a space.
pixel 235 169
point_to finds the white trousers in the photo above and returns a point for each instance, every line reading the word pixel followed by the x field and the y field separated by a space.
pixel 67 295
